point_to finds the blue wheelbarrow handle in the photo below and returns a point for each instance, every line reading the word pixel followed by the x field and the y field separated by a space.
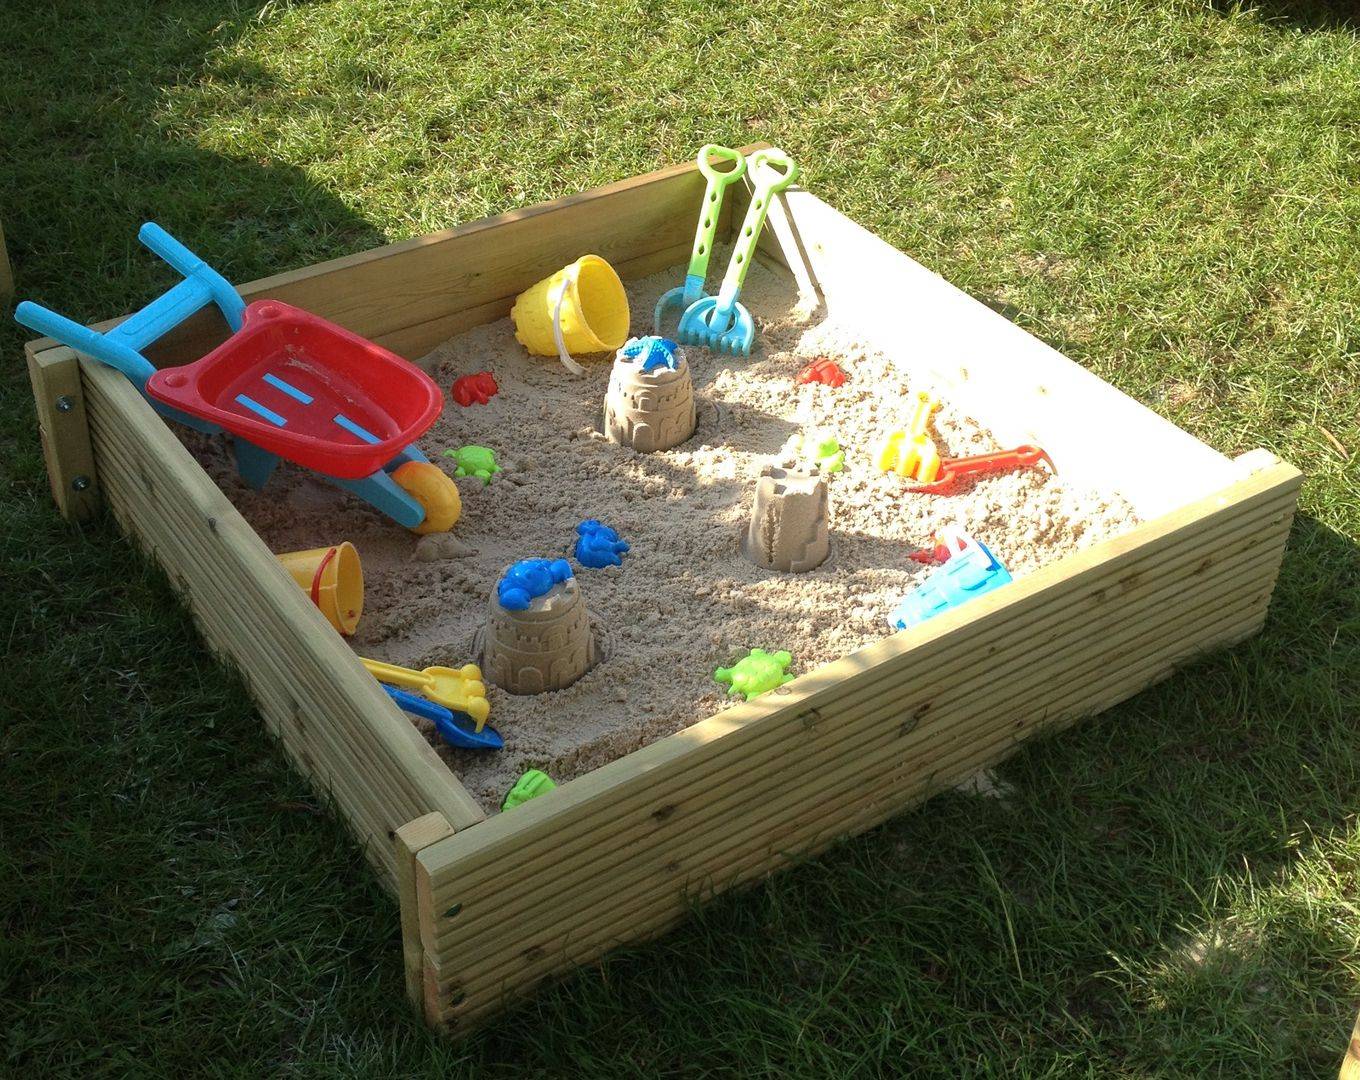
pixel 456 729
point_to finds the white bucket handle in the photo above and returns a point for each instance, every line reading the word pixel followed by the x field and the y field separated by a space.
pixel 562 354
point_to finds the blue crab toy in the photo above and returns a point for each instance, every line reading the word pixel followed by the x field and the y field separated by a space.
pixel 653 352
pixel 598 546
pixel 529 579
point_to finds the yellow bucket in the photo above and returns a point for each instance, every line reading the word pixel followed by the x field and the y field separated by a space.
pixel 334 580
pixel 580 309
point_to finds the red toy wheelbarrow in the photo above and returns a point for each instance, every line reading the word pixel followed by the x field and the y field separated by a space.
pixel 286 384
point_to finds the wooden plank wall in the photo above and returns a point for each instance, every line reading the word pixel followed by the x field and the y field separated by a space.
pixel 411 296
pixel 620 854
pixel 1013 383
pixel 339 728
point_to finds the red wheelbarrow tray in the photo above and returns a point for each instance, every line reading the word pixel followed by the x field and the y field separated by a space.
pixel 490 906
pixel 350 406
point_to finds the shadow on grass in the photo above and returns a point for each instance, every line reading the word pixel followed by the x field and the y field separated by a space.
pixel 1305 14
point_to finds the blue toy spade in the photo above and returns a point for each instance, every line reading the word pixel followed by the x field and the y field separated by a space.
pixel 456 729
pixel 722 324
pixel 718 182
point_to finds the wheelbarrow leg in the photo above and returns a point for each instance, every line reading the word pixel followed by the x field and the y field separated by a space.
pixel 255 466
pixel 383 493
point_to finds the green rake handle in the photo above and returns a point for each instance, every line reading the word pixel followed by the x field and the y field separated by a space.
pixel 771 183
pixel 718 183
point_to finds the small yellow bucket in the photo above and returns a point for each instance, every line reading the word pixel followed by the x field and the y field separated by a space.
pixel 580 309
pixel 334 580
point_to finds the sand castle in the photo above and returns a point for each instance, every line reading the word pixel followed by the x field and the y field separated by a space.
pixel 790 521
pixel 541 641
pixel 649 405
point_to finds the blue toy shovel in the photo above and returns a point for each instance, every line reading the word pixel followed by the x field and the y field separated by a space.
pixel 722 324
pixel 718 183
pixel 456 729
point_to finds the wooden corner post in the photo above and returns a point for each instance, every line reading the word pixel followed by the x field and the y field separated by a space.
pixel 64 429
pixel 409 840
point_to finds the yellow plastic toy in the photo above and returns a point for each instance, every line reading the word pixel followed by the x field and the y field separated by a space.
pixel 457 689
pixel 580 309
pixel 430 486
pixel 910 452
pixel 333 578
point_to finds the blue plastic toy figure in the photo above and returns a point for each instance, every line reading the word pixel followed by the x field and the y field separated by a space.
pixel 970 571
pixel 598 545
pixel 528 579
pixel 653 352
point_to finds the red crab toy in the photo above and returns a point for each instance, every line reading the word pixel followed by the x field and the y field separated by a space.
pixel 824 371
pixel 474 389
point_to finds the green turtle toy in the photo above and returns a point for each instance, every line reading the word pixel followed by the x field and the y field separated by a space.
pixel 756 672
pixel 478 461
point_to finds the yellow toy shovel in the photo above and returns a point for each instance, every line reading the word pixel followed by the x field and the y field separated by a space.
pixel 457 689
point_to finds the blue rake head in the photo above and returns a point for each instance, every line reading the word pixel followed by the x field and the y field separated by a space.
pixel 721 327
pixel 678 299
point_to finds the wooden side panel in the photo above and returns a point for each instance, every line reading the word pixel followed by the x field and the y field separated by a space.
pixel 60 404
pixel 412 295
pixel 332 718
pixel 1350 1064
pixel 1012 382
pixel 621 853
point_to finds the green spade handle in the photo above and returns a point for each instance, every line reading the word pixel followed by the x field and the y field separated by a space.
pixel 718 183
pixel 771 183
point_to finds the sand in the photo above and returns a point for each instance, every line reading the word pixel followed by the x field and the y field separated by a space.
pixel 685 601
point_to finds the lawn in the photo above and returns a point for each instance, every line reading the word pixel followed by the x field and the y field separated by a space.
pixel 1165 190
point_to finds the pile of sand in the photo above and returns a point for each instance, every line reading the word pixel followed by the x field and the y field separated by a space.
pixel 684 601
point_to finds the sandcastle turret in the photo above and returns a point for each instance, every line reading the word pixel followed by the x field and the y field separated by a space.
pixel 790 520
pixel 537 635
pixel 649 405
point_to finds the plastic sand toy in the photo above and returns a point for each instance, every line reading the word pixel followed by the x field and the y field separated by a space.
pixel 653 352
pixel 815 451
pixel 582 308
pixel 459 689
pixel 756 673
pixel 456 729
pixel 954 471
pixel 528 579
pixel 824 371
pixel 598 546
pixel 680 298
pixel 475 389
pixel 723 324
pixel 971 571
pixel 478 461
pixel 286 385
pixel 334 578
pixel 910 451
pixel 531 785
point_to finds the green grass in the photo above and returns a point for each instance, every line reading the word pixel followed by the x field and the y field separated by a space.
pixel 1167 190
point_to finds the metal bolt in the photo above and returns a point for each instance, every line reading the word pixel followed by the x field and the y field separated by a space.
pixel 65 403
pixel 80 483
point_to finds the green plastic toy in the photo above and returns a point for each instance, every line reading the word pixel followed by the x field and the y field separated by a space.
pixel 756 672
pixel 817 451
pixel 479 461
pixel 529 786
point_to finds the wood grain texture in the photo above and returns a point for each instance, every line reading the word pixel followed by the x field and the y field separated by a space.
pixel 1013 383
pixel 410 840
pixel 59 400
pixel 622 852
pixel 330 715
pixel 412 295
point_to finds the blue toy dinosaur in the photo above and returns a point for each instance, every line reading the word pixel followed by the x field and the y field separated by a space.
pixel 529 579
pixel 598 545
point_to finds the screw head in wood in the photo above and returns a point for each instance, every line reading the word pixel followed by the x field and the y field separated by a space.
pixel 80 483
pixel 65 403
